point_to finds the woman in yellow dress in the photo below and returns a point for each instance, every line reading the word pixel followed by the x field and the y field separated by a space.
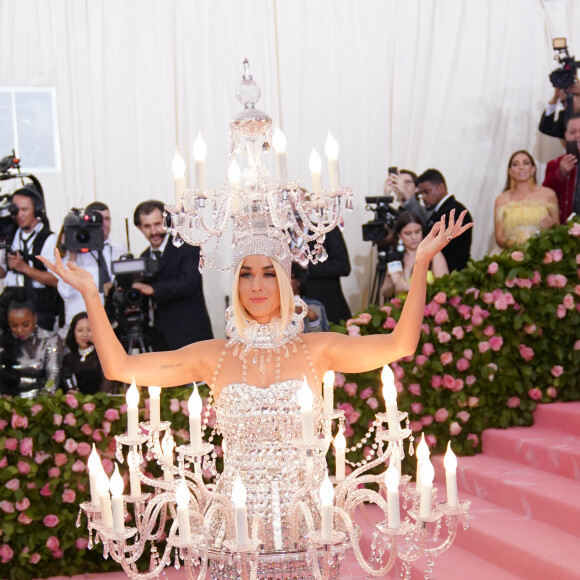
pixel 524 208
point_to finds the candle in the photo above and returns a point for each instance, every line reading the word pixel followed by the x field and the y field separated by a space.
pixel 422 458
pixel 328 382
pixel 234 174
pixel 239 495
pixel 133 461
pixel 95 467
pixel 194 405
pixel 390 396
pixel 427 474
pixel 450 463
pixel 117 499
pixel 392 482
pixel 154 407
pixel 132 398
pixel 105 500
pixel 331 150
pixel 279 143
pixel 326 499
pixel 178 168
pixel 315 165
pixel 305 399
pixel 340 448
pixel 167 448
pixel 199 153
pixel 182 497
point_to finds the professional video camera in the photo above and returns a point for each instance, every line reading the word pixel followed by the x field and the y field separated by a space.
pixel 565 76
pixel 385 215
pixel 83 231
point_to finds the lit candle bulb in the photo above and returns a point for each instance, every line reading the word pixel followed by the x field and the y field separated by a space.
pixel 195 405
pixel 331 150
pixel 178 168
pixel 105 500
pixel 116 486
pixel 239 495
pixel 132 399
pixel 234 174
pixel 305 399
pixel 95 467
pixel 390 395
pixel 154 407
pixel 167 449
pixel 392 482
pixel 427 474
pixel 422 458
pixel 133 461
pixel 199 153
pixel 315 165
pixel 279 143
pixel 326 500
pixel 182 497
pixel 328 382
pixel 450 463
pixel 340 448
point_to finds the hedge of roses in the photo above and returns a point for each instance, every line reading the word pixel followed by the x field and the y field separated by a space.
pixel 497 338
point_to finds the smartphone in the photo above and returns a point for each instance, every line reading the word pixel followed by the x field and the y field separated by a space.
pixel 393 170
pixel 572 148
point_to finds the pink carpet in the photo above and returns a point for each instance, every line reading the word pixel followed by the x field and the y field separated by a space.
pixel 525 514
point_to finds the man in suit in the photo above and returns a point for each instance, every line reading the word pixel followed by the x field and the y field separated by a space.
pixel 436 198
pixel 553 121
pixel 176 291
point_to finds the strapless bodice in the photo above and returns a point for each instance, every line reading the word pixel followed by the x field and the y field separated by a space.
pixel 521 219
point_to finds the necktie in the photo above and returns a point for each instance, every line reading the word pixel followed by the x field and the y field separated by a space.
pixel 103 272
pixel 157 254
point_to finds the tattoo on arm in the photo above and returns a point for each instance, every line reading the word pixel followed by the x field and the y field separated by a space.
pixel 171 366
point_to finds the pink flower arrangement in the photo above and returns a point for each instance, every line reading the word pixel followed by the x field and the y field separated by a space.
pixel 431 440
pixel 35 558
pixel 373 403
pixel 416 408
pixel 455 428
pixel 71 400
pixel 6 553
pixel 557 370
pixel 354 330
pixel 556 280
pixel 35 409
pixel 365 317
pixel 19 422
pixel 389 323
pixel 53 543
pixel 492 268
pixel 7 507
pixel 462 364
pixel 70 445
pixel 350 389
pixel 463 416
pixel 23 505
pixel 113 414
pixel 88 407
pixel 575 230
pixel 428 349
pixel 415 389
pixel 436 381
pixel 68 496
pixel 441 415
pixel 483 346
pixel 526 352
pixel 443 337
pixel 458 332
pixel 26 446
pixel 50 521
pixel 366 393
pixel 13 484
pixel 535 394
pixel 495 343
pixel 517 256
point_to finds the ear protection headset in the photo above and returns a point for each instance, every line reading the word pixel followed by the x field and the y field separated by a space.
pixel 31 193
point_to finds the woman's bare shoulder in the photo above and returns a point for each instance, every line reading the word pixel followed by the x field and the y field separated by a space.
pixel 502 198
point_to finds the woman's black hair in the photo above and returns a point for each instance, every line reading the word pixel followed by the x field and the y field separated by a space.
pixel 409 217
pixel 21 305
pixel 70 340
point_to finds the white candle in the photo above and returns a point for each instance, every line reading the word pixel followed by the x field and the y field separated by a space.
pixel 392 482
pixel 239 495
pixel 427 474
pixel 279 143
pixel 132 399
pixel 422 458
pixel 390 395
pixel 117 499
pixel 195 405
pixel 182 497
pixel 305 399
pixel 340 447
pixel 234 174
pixel 133 461
pixel 178 168
pixel 328 382
pixel 450 463
pixel 326 499
pixel 95 467
pixel 154 407
pixel 199 153
pixel 167 448
pixel 105 500
pixel 331 150
pixel 315 165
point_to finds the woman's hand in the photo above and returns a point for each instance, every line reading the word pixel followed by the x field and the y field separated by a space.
pixel 78 278
pixel 440 236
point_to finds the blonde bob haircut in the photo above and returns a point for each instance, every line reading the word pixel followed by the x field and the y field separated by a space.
pixel 286 297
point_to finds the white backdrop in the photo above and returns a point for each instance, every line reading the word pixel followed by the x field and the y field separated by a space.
pixel 456 85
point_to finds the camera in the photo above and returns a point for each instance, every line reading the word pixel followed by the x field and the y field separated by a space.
pixel 83 231
pixel 385 215
pixel 564 76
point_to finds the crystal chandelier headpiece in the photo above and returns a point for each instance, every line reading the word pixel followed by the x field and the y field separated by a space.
pixel 257 213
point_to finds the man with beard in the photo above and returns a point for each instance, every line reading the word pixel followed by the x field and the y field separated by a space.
pixel 176 291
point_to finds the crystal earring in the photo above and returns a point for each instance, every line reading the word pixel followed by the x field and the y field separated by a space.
pixel 400 246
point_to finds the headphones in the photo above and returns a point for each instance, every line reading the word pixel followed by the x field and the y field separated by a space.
pixel 31 193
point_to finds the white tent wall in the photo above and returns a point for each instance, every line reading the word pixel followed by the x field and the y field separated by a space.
pixel 456 85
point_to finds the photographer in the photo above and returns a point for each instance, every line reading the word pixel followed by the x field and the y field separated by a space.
pixel 176 290
pixel 25 276
pixel 553 121
pixel 403 183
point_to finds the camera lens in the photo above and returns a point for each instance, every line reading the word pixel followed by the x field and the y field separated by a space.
pixel 82 237
pixel 133 297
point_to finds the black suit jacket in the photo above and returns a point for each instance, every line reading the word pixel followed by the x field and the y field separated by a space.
pixel 552 125
pixel 458 251
pixel 181 315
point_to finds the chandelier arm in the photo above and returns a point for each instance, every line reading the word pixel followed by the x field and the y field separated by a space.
pixel 451 525
pixel 300 509
pixel 343 487
pixel 130 570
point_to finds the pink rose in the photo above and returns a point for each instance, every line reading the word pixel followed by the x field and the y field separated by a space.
pixel 386 309
pixel 575 230
pixel 78 466
pixel 442 316
pixel 557 370
pixel 513 402
pixel 58 554
pixel 463 416
pixel 351 321
pixel 470 380
pixel 6 507
pixel 473 401
pixel 35 558
pixel 530 328
pixel 3 462
pixel 535 393
pixel 483 346
pixel 551 392
pixel 106 463
pixel 473 438
pixel 440 298
pixel 420 359
pixel 57 419
pixel 83 449
pixel 87 430
pixel 113 414
pixel 444 337
pixel 557 255
pixel 431 440
pixel 415 426
pixel 23 505
pixel 446 358
pixel 455 428
pixel 428 349
pixel 11 444
pixel 6 553
pixel 366 393
pixel 60 459
pixel 561 311
pixel 462 364
pixel 24 519
pixel 489 330
pixel 45 490
pixel 516 256
pixel 89 407
pixel 71 400
pixel 526 352
pixel 13 484
pixel 426 420
pixel 350 389
pixel 19 422
pixel 556 280
pixel 389 323
pixel 457 332
pixel 464 311
pixel 547 258
pixel 3 424
pixel 568 301
pixel 68 496
pixel 448 382
pixel 492 268
pixel 35 409
pixel 81 543
pixel 50 521
pixel 468 353
pixel 353 417
pixel 353 330
pixel 59 436
pixel 70 446
pixel 441 415
pixel 415 389
pixel 365 317
pixel 26 446
pixel 577 345
pixel 501 303
pixel 23 467
pixel 436 381
pixel 53 473
pixel 373 403
pixel 495 343
pixel 53 543
pixel 339 380
pixel 416 408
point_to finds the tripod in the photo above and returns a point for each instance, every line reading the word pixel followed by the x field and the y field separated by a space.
pixel 379 278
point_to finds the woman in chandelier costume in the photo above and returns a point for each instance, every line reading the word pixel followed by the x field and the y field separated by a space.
pixel 254 376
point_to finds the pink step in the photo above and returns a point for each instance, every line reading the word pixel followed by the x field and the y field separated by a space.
pixel 540 495
pixel 559 416
pixel 538 447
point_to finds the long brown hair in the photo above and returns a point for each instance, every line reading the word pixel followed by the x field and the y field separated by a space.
pixel 509 181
